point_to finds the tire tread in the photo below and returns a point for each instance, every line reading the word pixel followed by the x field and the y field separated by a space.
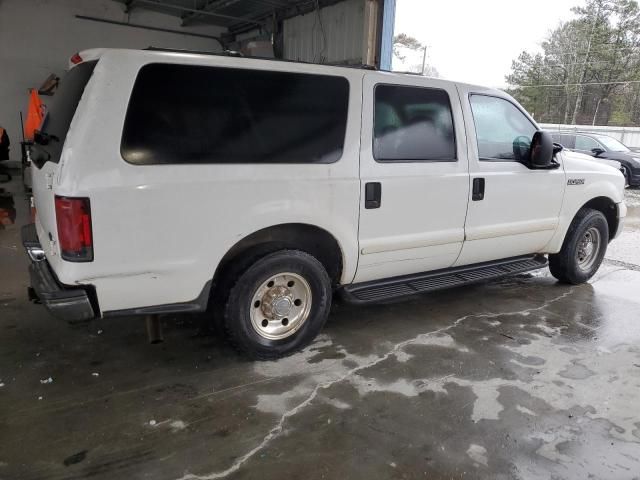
pixel 561 264
pixel 242 344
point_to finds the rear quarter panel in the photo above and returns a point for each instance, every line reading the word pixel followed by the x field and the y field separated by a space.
pixel 160 230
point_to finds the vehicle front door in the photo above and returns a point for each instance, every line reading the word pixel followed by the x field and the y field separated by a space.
pixel 513 209
pixel 414 176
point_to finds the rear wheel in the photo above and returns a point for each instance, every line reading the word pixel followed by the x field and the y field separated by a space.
pixel 583 249
pixel 278 305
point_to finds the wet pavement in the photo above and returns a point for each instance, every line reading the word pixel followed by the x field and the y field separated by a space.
pixel 519 378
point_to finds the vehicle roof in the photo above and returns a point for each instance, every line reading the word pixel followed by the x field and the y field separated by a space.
pixel 169 54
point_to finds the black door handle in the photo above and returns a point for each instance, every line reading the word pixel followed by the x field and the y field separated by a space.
pixel 372 195
pixel 478 189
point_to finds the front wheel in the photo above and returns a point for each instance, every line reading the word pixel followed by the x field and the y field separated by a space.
pixel 278 305
pixel 583 249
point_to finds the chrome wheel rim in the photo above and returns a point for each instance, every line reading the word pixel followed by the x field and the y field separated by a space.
pixel 588 248
pixel 280 306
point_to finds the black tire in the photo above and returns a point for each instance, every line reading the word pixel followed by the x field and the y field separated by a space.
pixel 237 313
pixel 565 265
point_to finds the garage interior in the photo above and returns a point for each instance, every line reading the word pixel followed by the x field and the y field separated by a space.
pixel 517 378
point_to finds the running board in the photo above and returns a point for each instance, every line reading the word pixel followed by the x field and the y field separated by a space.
pixel 397 287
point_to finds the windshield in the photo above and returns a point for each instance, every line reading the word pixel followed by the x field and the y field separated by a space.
pixel 63 107
pixel 612 144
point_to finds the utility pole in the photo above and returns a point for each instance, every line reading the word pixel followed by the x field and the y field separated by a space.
pixel 583 74
pixel 424 60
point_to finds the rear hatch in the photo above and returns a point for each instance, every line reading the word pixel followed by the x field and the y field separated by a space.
pixel 48 148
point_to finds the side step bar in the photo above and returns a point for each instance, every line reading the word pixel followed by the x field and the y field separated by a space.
pixel 391 288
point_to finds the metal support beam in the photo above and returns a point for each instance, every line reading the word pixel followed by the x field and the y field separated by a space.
pixel 150 27
pixel 283 13
pixel 170 6
pixel 386 39
pixel 211 6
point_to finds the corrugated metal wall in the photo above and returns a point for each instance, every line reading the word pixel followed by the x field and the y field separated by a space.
pixel 343 25
pixel 630 136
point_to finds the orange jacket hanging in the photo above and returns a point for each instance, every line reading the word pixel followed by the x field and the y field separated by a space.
pixel 35 114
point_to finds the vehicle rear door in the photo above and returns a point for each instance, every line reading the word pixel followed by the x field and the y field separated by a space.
pixel 414 176
pixel 47 152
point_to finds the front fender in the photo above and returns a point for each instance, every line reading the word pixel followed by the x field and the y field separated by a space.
pixel 586 183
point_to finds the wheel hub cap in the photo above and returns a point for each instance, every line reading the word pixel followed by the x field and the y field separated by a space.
pixel 277 302
pixel 280 306
pixel 588 249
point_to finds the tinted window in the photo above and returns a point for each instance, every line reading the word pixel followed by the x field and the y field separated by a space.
pixel 195 114
pixel 412 123
pixel 63 107
pixel 502 130
pixel 612 144
pixel 568 141
pixel 585 143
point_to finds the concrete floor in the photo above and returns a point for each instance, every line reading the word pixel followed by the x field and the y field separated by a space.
pixel 520 378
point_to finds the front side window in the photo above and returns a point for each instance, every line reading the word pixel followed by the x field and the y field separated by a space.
pixel 199 114
pixel 586 143
pixel 412 124
pixel 503 132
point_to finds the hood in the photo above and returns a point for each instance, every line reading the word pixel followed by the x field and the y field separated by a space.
pixel 581 157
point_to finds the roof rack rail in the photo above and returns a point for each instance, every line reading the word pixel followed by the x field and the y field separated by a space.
pixel 408 73
pixel 227 53
pixel 362 66
pixel 233 53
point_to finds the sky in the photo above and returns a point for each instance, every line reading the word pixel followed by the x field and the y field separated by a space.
pixel 474 41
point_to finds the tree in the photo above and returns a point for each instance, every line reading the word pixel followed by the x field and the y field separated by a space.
pixel 405 46
pixel 403 42
pixel 587 69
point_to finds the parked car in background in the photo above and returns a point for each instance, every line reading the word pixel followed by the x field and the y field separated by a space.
pixel 603 147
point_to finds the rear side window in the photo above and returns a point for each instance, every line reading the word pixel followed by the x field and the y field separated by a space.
pixel 567 141
pixel 196 114
pixel 585 143
pixel 63 107
pixel 412 124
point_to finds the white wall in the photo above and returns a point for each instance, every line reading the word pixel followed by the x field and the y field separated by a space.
pixel 37 37
pixel 630 136
pixel 343 25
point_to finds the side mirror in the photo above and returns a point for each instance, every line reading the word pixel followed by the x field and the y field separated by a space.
pixel 597 151
pixel 541 154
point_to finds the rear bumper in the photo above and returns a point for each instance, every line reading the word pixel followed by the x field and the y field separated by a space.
pixel 67 303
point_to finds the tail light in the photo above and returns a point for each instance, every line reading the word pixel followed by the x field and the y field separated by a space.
pixel 73 218
pixel 76 58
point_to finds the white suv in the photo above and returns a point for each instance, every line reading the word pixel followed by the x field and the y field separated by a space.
pixel 255 189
